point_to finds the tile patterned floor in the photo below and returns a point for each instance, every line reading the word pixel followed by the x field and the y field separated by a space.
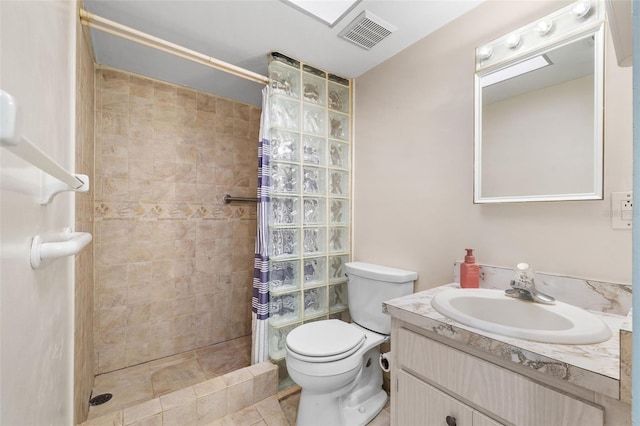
pixel 289 407
pixel 269 413
pixel 144 382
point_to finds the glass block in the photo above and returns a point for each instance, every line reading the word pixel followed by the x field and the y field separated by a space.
pixel 284 242
pixel 338 97
pixel 338 297
pixel 284 178
pixel 338 239
pixel 314 120
pixel 314 271
pixel 284 80
pixel 338 183
pixel 315 301
pixel 338 211
pixel 314 319
pixel 285 113
pixel 277 56
pixel 339 154
pixel 338 126
pixel 284 308
pixel 314 149
pixel 336 268
pixel 342 316
pixel 313 89
pixel 313 210
pixel 314 241
pixel 284 276
pixel 278 341
pixel 285 146
pixel 313 180
pixel 284 211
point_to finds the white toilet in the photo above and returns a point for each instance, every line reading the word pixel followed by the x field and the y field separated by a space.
pixel 337 363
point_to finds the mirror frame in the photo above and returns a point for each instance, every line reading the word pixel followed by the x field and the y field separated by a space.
pixel 568 26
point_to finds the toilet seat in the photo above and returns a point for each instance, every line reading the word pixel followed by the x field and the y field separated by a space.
pixel 325 341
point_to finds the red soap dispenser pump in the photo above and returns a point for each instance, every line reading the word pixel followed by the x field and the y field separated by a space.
pixel 469 271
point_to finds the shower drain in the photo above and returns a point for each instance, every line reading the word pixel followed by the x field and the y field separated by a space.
pixel 100 399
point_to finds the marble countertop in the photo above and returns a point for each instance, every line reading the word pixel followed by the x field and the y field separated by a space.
pixel 595 367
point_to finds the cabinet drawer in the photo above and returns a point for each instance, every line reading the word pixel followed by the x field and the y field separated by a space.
pixel 502 392
pixel 421 404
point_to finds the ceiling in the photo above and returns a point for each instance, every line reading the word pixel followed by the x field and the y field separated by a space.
pixel 243 32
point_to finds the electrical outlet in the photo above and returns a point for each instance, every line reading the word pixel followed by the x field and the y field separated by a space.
pixel 621 210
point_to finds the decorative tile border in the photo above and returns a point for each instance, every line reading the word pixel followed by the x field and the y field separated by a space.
pixel 179 210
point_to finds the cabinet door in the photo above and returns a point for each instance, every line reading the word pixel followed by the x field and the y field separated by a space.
pixel 508 395
pixel 480 419
pixel 422 404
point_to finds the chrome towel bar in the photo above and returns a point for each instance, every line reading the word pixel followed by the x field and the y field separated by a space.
pixel 228 198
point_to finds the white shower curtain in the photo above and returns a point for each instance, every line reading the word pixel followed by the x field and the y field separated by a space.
pixel 260 299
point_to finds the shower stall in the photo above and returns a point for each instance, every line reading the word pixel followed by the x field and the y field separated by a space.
pixel 173 262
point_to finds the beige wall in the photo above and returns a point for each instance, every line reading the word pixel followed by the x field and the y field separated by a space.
pixel 83 353
pixel 414 162
pixel 174 264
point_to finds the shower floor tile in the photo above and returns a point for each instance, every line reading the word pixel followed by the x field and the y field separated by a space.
pixel 143 382
pixel 219 360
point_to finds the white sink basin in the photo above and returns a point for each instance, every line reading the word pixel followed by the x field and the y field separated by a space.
pixel 492 311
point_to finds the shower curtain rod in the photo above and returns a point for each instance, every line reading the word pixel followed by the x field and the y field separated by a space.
pixel 111 27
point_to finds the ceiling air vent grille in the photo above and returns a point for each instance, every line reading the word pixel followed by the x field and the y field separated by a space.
pixel 367 30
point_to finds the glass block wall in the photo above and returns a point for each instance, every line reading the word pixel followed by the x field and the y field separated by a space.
pixel 309 215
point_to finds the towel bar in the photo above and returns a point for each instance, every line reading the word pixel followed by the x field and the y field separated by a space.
pixel 72 244
pixel 28 151
pixel 228 198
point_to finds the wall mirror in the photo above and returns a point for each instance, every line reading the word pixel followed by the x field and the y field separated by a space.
pixel 539 110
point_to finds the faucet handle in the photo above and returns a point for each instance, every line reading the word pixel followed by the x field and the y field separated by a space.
pixel 523 273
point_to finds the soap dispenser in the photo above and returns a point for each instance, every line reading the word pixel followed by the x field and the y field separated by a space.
pixel 469 271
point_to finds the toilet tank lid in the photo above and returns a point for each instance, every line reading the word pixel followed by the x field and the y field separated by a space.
pixel 380 273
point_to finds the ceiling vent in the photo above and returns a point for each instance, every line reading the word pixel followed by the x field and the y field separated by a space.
pixel 367 30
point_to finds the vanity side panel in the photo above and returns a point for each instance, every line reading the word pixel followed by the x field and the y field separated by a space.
pixel 616 412
pixel 395 327
pixel 487 386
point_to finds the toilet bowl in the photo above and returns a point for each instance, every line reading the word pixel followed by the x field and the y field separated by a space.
pixel 342 384
pixel 337 363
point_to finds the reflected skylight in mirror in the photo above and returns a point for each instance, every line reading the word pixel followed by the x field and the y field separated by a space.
pixel 515 70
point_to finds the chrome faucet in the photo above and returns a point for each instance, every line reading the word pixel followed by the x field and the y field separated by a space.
pixel 523 287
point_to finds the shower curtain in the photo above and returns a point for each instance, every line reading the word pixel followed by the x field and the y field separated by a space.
pixel 260 298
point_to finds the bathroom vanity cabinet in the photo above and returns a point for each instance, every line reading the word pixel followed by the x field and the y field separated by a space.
pixel 445 373
pixel 438 384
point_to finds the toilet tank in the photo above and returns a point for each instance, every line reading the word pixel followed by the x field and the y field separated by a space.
pixel 370 285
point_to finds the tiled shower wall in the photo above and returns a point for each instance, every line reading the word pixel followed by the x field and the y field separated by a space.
pixel 174 264
pixel 83 335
